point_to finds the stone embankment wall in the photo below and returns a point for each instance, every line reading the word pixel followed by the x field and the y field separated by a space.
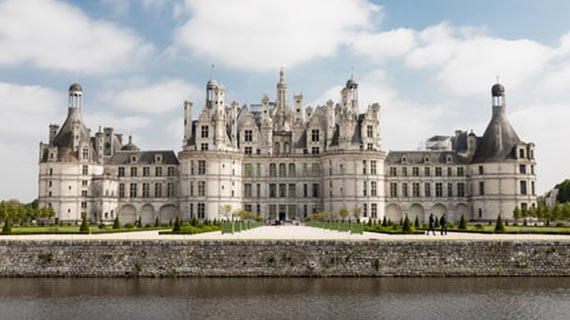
pixel 174 258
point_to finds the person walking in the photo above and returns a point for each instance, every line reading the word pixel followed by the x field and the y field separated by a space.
pixel 443 223
pixel 431 224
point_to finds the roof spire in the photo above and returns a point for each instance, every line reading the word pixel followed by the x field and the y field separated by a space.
pixel 212 71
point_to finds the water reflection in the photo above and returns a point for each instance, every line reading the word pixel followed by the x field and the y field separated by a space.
pixel 268 298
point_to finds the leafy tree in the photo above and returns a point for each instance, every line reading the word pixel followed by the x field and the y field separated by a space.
pixel 356 213
pixel 407 226
pixel 401 221
pixel 226 210
pixel 532 212
pixel 462 223
pixel 566 211
pixel 417 222
pixel 7 221
pixel 117 223
pixel 557 212
pixel 84 228
pixel 343 212
pixel 499 227
pixel 517 213
pixel 563 195
pixel 157 222
pixel 177 225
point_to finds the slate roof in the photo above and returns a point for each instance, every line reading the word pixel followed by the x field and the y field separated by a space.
pixel 492 149
pixel 417 157
pixel 145 157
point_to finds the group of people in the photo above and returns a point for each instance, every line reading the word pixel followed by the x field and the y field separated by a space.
pixel 442 223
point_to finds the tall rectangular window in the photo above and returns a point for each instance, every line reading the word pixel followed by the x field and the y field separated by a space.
pixel 364 166
pixel 532 188
pixel 523 187
pixel 272 170
pixel 404 190
pixel 248 150
pixel 427 171
pixel 522 169
pixel 315 150
pixel 158 190
pixel 204 147
pixel 416 190
pixel 427 190
pixel 121 190
pixel 405 171
pixel 449 171
pixel 272 190
pixel 248 135
pixel 316 188
pixel 282 170
pixel 121 172
pixel 460 172
pixel 450 189
pixel 364 188
pixel 316 169
pixel 247 190
pixel 146 171
pixel 248 170
pixel 292 190
pixel 133 171
pixel 438 172
pixel 191 188
pixel 481 170
pixel 170 190
pixel 393 190
pixel 282 190
pixel 258 190
pixel 481 188
pixel 369 132
pixel 204 131
pixel 439 189
pixel 158 171
pixel 85 170
pixel 393 172
pixel 171 171
pixel 201 188
pixel 315 135
pixel 201 167
pixel 305 190
pixel 461 189
pixel 133 190
pixel 258 169
pixel 374 211
pixel 145 190
pixel 85 153
pixel 415 171
pixel 373 189
pixel 365 210
pixel 201 210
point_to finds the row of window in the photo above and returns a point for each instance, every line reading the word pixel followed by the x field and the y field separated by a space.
pixel 201 210
pixel 427 190
pixel 171 171
pixel 393 171
pixel 146 192
pixel 282 188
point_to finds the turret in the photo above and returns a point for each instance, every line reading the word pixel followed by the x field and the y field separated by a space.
pixel 330 121
pixel 298 105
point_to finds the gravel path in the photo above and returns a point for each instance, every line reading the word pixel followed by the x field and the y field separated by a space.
pixel 284 233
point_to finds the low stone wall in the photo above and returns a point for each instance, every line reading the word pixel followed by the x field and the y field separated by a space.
pixel 174 258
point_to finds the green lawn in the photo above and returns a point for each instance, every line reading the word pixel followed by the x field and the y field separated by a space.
pixel 73 230
pixel 512 229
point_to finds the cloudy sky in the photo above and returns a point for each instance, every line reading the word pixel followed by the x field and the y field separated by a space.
pixel 430 64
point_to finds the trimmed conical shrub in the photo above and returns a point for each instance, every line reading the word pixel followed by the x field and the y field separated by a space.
pixel 437 225
pixel 84 228
pixel 7 225
pixel 384 222
pixel 157 222
pixel 117 223
pixel 407 226
pixel 463 223
pixel 499 227
pixel 139 223
pixel 417 222
pixel 177 225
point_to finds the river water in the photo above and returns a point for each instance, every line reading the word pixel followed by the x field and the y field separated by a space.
pixel 298 298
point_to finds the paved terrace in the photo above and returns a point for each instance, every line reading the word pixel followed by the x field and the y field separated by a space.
pixel 286 233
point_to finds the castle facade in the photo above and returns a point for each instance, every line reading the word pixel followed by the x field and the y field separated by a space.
pixel 284 161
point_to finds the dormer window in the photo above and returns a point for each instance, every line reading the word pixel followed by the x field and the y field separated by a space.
pixel 404 159
pixel 158 158
pixel 315 135
pixel 133 159
pixel 248 135
pixel 521 153
pixel 204 131
pixel 449 159
pixel 426 159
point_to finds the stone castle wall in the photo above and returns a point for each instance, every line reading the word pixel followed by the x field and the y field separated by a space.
pixel 281 258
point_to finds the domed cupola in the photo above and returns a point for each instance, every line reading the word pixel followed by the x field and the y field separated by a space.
pixel 130 146
pixel 497 90
pixel 75 94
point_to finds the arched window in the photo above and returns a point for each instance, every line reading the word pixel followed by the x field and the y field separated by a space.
pixel 272 170
pixel 282 170
pixel 286 148
pixel 276 148
pixel 292 170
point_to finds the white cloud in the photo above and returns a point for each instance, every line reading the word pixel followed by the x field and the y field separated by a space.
pixel 54 35
pixel 157 98
pixel 263 35
pixel 381 45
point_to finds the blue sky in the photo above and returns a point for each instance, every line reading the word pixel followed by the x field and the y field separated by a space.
pixel 430 64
